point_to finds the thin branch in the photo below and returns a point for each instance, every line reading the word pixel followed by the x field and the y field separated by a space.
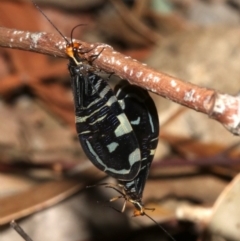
pixel 133 22
pixel 20 231
pixel 221 107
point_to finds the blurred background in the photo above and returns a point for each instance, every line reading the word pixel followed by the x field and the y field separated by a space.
pixel 193 184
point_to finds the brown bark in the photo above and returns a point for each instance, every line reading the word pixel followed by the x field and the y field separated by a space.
pixel 221 107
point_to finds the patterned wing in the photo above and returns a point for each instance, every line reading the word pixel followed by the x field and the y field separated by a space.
pixel 142 114
pixel 104 131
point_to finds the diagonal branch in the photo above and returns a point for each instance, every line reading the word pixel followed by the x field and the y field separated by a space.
pixel 221 107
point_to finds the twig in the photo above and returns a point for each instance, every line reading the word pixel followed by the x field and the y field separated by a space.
pixel 221 107
pixel 20 231
pixel 134 23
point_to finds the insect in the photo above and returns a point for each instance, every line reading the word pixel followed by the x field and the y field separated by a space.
pixel 143 117
pixel 104 131
pixel 118 133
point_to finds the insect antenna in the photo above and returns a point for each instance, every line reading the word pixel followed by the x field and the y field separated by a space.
pixel 115 209
pixel 81 24
pixel 101 184
pixel 114 187
pixel 41 11
pixel 142 214
pixel 107 185
pixel 161 227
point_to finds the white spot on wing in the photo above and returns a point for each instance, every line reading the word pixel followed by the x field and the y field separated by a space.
pixel 98 120
pixel 122 104
pixel 124 127
pixel 111 100
pixel 134 157
pixel 104 91
pixel 151 122
pixel 112 146
pixel 136 122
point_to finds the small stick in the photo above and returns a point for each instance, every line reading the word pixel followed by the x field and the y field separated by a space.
pixel 20 231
